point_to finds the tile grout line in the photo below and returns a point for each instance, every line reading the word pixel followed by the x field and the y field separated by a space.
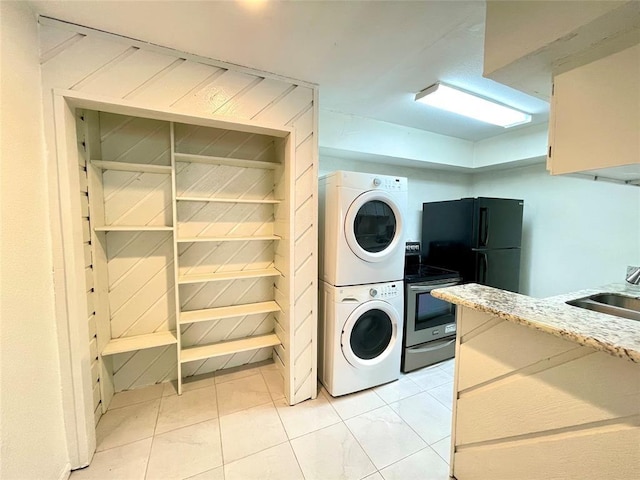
pixel 153 437
pixel 271 401
pixel 313 431
pixel 427 444
pixel 353 435
pixel 284 428
pixel 219 427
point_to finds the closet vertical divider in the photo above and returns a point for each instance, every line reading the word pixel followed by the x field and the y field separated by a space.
pixel 174 206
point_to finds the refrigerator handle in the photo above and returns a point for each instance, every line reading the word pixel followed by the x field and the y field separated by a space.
pixel 484 226
pixel 483 266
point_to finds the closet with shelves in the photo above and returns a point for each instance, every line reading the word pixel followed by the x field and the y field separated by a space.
pixel 191 245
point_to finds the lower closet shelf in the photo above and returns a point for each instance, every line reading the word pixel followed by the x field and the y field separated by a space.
pixel 139 342
pixel 219 313
pixel 229 347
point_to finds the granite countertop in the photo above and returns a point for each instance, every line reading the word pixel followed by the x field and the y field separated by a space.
pixel 615 335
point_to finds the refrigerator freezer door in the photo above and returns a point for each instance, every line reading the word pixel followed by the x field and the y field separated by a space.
pixel 498 268
pixel 447 234
pixel 497 223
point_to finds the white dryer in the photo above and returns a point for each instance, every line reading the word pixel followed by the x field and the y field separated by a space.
pixel 360 336
pixel 361 228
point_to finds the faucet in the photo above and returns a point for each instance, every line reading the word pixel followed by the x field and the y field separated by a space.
pixel 633 275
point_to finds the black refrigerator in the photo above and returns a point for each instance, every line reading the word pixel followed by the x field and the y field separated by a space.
pixel 478 237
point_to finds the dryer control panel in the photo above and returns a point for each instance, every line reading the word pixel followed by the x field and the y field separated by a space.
pixel 397 184
pixel 389 290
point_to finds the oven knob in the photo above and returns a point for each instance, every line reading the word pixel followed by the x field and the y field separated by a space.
pixel 377 182
pixel 373 292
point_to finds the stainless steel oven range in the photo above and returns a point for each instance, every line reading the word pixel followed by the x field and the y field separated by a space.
pixel 430 323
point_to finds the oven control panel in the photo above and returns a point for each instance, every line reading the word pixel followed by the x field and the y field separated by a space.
pixel 385 291
pixel 412 248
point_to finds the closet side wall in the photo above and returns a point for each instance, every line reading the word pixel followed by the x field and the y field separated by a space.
pixel 80 59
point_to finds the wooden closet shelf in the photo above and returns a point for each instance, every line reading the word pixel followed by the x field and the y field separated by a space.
pixel 228 200
pixel 229 347
pixel 134 228
pixel 131 167
pixel 234 162
pixel 227 239
pixel 139 342
pixel 230 275
pixel 219 313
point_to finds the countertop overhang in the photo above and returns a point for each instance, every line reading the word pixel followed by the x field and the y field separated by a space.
pixel 615 335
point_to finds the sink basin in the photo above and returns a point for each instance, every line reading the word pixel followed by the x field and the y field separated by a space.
pixel 611 304
pixel 616 300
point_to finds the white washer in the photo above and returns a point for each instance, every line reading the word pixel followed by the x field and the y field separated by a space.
pixel 362 224
pixel 360 336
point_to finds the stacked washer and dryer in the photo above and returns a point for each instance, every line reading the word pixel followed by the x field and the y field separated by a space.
pixel 361 269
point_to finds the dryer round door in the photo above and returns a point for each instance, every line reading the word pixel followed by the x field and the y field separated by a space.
pixel 370 333
pixel 373 226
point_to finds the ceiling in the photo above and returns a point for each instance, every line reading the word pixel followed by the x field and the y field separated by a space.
pixel 369 58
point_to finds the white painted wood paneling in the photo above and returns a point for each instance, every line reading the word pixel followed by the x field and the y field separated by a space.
pixel 260 97
pixel 217 94
pixel 71 65
pixel 287 108
pixel 175 83
pixel 529 405
pixel 491 354
pixel 55 39
pixel 83 135
pixel 134 70
pixel 134 140
pixel 201 258
pixel 144 367
pixel 136 198
pixel 583 455
pixel 117 68
pixel 573 393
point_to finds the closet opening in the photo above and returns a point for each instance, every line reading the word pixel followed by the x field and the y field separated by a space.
pixel 183 247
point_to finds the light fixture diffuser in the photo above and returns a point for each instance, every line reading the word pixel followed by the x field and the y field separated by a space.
pixel 457 101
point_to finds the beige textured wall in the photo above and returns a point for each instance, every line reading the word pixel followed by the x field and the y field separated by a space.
pixel 31 427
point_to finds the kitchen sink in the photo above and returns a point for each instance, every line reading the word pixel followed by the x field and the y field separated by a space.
pixel 611 304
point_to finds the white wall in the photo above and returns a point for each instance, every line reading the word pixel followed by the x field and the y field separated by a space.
pixel 32 435
pixel 425 185
pixel 365 136
pixel 577 233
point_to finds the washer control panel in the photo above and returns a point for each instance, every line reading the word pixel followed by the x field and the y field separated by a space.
pixel 389 290
pixel 397 184
pixel 363 293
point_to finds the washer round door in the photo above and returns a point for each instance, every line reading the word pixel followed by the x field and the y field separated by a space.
pixel 370 333
pixel 373 226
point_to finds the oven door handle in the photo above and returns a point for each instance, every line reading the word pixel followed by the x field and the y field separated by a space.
pixel 431 348
pixel 428 288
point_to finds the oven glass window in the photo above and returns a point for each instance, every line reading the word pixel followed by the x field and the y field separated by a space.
pixel 371 334
pixel 431 311
pixel 374 226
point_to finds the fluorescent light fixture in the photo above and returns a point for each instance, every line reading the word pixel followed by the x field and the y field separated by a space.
pixel 457 101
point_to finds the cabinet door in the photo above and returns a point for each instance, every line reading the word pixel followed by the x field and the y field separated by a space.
pixel 596 115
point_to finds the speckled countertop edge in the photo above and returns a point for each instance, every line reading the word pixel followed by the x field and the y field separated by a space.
pixel 617 336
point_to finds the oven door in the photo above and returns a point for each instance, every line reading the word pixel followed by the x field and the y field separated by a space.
pixel 428 318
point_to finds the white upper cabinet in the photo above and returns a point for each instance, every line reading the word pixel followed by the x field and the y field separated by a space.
pixel 595 118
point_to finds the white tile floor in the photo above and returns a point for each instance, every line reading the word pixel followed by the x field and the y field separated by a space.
pixel 236 425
